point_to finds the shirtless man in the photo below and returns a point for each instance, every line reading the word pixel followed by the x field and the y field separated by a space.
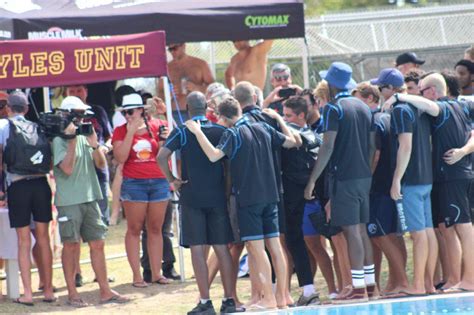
pixel 187 74
pixel 248 64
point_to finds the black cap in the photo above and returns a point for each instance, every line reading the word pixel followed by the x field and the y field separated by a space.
pixel 407 58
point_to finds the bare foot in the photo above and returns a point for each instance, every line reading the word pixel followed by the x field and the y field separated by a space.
pixel 465 285
pixel 252 301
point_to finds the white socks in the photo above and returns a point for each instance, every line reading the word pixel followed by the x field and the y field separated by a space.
pixel 358 278
pixel 308 290
pixel 369 274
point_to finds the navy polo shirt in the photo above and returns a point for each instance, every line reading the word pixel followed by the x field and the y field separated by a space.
pixel 405 118
pixel 383 174
pixel 206 185
pixel 451 129
pixel 249 147
pixel 352 119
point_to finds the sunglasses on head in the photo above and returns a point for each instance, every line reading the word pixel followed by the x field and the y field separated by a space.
pixel 281 77
pixel 129 112
pixel 423 90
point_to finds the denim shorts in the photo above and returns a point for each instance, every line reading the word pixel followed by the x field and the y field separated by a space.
pixel 417 207
pixel 145 190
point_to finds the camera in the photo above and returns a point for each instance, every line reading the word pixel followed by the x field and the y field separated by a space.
pixel 286 92
pixel 53 124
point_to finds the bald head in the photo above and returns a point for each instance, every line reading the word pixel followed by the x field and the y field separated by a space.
pixel 196 102
pixel 244 93
pixel 436 81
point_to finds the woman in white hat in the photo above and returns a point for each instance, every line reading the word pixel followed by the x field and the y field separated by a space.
pixel 144 191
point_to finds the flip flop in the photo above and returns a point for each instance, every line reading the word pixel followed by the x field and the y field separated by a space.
pixel 394 295
pixel 18 301
pixel 409 294
pixel 162 281
pixel 116 299
pixel 53 300
pixel 259 308
pixel 455 290
pixel 79 303
pixel 140 285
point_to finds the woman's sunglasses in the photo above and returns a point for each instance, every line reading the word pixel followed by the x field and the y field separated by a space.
pixel 129 112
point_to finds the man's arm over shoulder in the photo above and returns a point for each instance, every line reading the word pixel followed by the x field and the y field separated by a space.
pixel 214 154
pixel 264 47
pixel 423 104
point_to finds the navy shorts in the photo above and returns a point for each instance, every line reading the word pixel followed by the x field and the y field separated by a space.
pixel 383 215
pixel 145 190
pixel 309 208
pixel 205 226
pixel 450 202
pixel 257 222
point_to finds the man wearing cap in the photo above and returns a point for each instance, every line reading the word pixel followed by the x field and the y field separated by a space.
pixel 29 196
pixel 348 147
pixel 453 143
pixel 187 74
pixel 248 64
pixel 77 194
pixel 407 61
pixel 412 179
pixel 283 88
pixel 204 220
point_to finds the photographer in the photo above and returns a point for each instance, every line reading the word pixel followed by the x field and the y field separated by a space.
pixel 282 88
pixel 29 195
pixel 77 194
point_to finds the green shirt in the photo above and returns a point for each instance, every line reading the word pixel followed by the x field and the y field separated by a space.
pixel 82 185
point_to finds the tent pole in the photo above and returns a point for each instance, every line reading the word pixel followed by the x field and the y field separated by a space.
pixel 174 169
pixel 304 60
pixel 213 60
pixel 46 100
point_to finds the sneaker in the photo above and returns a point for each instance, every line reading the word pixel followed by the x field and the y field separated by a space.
pixel 373 292
pixel 356 295
pixel 171 274
pixel 79 281
pixel 333 295
pixel 203 309
pixel 228 306
pixel 313 299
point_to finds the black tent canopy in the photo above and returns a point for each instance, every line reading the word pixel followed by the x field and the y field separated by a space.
pixel 183 20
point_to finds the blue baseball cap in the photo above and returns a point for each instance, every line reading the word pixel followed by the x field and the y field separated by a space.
pixel 389 76
pixel 339 75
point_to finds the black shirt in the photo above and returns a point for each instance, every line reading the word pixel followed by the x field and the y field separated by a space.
pixel 206 185
pixel 352 119
pixel 405 118
pixel 451 129
pixel 383 174
pixel 249 147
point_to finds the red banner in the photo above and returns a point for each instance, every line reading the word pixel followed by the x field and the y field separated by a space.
pixel 58 62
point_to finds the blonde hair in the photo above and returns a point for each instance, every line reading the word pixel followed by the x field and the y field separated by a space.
pixel 322 90
pixel 366 89
pixel 469 53
pixel 437 81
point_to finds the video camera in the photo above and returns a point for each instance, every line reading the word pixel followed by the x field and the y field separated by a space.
pixel 54 123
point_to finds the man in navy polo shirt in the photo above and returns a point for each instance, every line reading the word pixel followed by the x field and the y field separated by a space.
pixel 204 217
pixel 412 179
pixel 348 146
pixel 249 147
pixel 453 143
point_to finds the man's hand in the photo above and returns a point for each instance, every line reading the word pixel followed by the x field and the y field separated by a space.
pixel 453 156
pixel 395 190
pixel 193 126
pixel 272 113
pixel 159 105
pixel 92 139
pixel 308 191
pixel 164 133
pixel 389 103
pixel 70 129
pixel 177 183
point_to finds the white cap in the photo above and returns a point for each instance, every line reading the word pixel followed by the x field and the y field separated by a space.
pixel 73 103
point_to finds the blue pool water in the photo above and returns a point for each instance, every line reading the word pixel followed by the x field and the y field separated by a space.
pixel 459 304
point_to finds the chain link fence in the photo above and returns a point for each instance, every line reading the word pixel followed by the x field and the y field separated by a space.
pixel 368 41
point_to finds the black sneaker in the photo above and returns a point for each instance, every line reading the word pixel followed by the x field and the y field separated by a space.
pixel 228 306
pixel 78 280
pixel 203 309
pixel 171 274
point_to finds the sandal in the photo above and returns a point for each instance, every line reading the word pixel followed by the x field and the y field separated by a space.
pixel 77 303
pixel 140 284
pixel 116 299
pixel 162 280
pixel 18 301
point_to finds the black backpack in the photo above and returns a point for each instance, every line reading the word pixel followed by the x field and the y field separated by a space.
pixel 27 150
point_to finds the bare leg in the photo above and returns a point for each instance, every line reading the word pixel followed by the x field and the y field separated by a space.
pixel 100 269
pixel 279 263
pixel 45 258
pixel 155 217
pixel 340 247
pixel 321 257
pixel 444 264
pixel 226 269
pixel 262 272
pixel 431 261
pixel 69 260
pixel 466 235
pixel 116 187
pixel 420 259
pixel 377 262
pixel 452 255
pixel 24 261
pixel 135 212
pixel 255 285
pixel 200 270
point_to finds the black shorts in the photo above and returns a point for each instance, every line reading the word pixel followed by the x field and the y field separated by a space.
pixel 257 222
pixel 205 226
pixel 383 215
pixel 349 201
pixel 29 198
pixel 450 202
